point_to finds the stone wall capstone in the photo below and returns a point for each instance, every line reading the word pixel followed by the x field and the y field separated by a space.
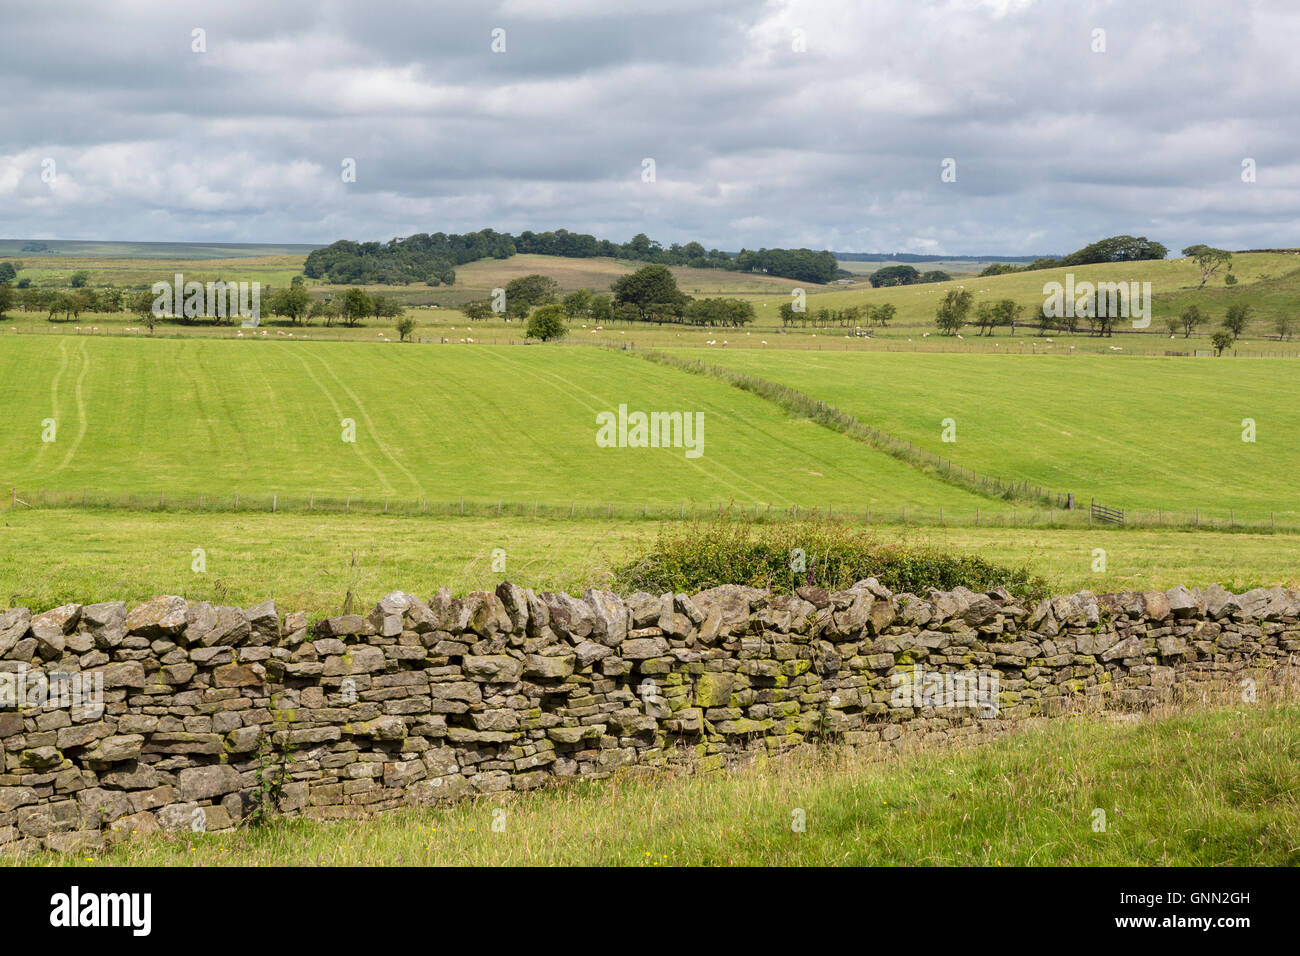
pixel 174 715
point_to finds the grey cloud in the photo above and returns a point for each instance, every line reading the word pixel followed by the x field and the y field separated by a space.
pixel 755 143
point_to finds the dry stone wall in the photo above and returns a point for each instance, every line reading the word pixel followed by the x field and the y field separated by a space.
pixel 179 715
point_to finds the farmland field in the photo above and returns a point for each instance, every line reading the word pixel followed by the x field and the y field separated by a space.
pixel 1147 433
pixel 217 417
pixel 211 419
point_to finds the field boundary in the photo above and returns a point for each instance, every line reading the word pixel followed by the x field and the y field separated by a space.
pixel 616 689
pixel 15 499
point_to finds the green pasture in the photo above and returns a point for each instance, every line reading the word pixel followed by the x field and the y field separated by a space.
pixel 1141 432
pixel 187 417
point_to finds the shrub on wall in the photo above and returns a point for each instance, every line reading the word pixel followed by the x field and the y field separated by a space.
pixel 781 557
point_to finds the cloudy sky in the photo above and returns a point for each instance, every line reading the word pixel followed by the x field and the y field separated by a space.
pixel 823 123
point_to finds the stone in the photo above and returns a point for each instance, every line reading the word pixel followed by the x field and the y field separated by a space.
pixel 14 625
pixel 548 668
pixel 516 602
pixel 1131 647
pixel 161 617
pixel 177 817
pixel 263 623
pixel 495 720
pixel 569 617
pixel 644 609
pixel 347 625
pixel 1157 605
pixel 357 659
pixel 40 758
pixel 610 617
pixel 642 648
pixel 1182 602
pixel 389 615
pixel 239 675
pixel 116 749
pixel 205 783
pixel 51 629
pixel 381 728
pixel 588 652
pixel 494 668
pixel 124 674
pixel 715 689
pixel 818 597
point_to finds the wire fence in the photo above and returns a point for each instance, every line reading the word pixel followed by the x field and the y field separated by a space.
pixel 787 342
pixel 20 499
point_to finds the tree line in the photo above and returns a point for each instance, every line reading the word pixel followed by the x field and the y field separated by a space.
pixel 292 302
pixel 432 258
pixel 1112 249
pixel 649 294
pixel 852 316
pixel 905 275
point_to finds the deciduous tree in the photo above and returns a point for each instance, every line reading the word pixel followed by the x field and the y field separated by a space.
pixel 952 311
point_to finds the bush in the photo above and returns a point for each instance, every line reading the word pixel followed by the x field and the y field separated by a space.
pixel 547 323
pixel 405 326
pixel 698 555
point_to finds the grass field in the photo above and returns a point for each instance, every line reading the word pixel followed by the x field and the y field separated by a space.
pixel 599 274
pixel 1269 283
pixel 215 417
pixel 205 415
pixel 142 272
pixel 311 562
pixel 1271 279
pixel 1146 433
pixel 1211 787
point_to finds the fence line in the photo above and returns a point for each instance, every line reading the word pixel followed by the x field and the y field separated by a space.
pixel 278 503
pixel 320 333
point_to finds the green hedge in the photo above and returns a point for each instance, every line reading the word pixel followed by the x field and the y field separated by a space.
pixel 703 554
